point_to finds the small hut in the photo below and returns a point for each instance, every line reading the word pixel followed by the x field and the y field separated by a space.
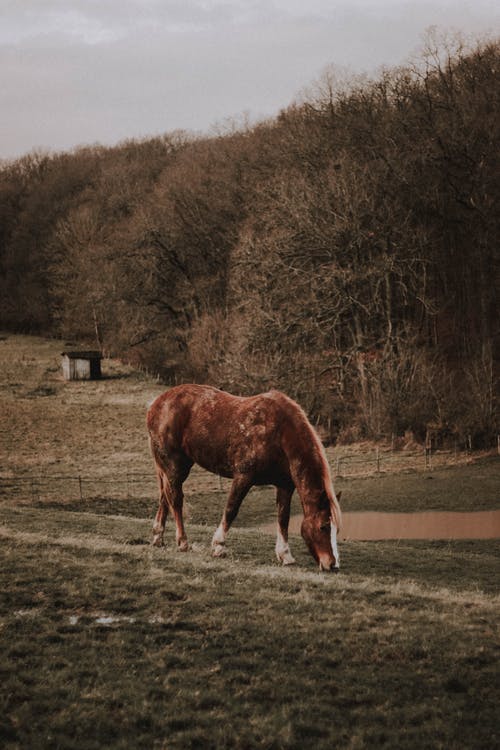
pixel 81 365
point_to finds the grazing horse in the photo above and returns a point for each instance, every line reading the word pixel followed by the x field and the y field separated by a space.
pixel 256 440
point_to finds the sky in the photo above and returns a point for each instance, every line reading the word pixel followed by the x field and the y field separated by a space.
pixel 78 72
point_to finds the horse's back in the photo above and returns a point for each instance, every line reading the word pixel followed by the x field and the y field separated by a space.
pixel 195 403
pixel 184 404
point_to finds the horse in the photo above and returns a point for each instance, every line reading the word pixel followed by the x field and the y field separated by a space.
pixel 255 440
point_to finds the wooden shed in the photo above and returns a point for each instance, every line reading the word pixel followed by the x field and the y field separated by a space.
pixel 81 365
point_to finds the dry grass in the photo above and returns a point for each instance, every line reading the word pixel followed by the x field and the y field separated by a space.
pixel 64 427
pixel 108 642
pixel 96 428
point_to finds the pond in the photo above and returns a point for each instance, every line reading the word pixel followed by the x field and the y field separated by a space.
pixel 371 525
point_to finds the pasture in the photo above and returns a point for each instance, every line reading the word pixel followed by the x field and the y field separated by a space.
pixel 108 642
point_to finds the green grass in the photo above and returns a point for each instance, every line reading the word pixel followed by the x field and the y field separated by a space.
pixel 465 487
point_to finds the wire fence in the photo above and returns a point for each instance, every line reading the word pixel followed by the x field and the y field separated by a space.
pixel 125 485
pixel 79 486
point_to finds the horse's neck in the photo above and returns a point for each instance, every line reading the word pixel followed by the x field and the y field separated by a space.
pixel 307 470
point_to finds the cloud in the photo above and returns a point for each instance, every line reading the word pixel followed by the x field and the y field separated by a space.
pixel 97 70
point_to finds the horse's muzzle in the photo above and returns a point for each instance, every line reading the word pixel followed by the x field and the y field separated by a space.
pixel 331 568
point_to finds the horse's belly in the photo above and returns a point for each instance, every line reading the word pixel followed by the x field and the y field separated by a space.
pixel 210 455
pixel 214 464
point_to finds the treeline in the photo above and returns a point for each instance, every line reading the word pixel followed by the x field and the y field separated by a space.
pixel 345 251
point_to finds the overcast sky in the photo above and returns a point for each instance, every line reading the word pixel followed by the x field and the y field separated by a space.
pixel 74 72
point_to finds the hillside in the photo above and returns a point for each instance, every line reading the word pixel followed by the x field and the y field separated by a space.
pixel 60 427
pixel 344 251
pixel 86 442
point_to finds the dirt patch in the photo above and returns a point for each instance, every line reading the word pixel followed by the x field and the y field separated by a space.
pixel 371 525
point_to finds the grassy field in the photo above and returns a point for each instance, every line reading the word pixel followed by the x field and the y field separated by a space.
pixel 106 642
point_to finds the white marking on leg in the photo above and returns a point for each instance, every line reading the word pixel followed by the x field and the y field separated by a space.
pixel 283 549
pixel 335 549
pixel 218 542
pixel 220 535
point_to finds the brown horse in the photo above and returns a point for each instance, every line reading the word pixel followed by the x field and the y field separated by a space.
pixel 264 439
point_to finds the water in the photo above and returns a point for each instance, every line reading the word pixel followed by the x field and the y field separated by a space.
pixel 428 525
pixel 371 525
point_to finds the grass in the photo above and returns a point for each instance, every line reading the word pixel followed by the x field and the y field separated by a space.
pixel 108 642
pixel 464 487
pixel 96 429
pixel 59 427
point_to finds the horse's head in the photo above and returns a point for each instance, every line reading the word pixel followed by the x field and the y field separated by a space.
pixel 319 531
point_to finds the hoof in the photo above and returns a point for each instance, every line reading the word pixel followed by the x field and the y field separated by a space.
pixel 183 545
pixel 334 569
pixel 286 559
pixel 157 541
pixel 284 556
pixel 218 550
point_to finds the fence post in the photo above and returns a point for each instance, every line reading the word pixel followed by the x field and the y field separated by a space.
pixel 378 460
pixel 80 487
pixel 428 450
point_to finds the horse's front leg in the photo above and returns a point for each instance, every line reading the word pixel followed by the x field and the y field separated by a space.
pixel 283 502
pixel 239 489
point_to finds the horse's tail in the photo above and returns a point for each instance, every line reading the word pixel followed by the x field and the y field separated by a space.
pixel 161 473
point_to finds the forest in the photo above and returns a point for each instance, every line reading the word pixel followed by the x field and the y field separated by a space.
pixel 344 251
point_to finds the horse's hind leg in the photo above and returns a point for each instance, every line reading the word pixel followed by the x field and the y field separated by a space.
pixel 283 500
pixel 171 475
pixel 177 506
pixel 162 513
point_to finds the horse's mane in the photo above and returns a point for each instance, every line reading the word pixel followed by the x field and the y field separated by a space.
pixel 325 467
pixel 327 478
